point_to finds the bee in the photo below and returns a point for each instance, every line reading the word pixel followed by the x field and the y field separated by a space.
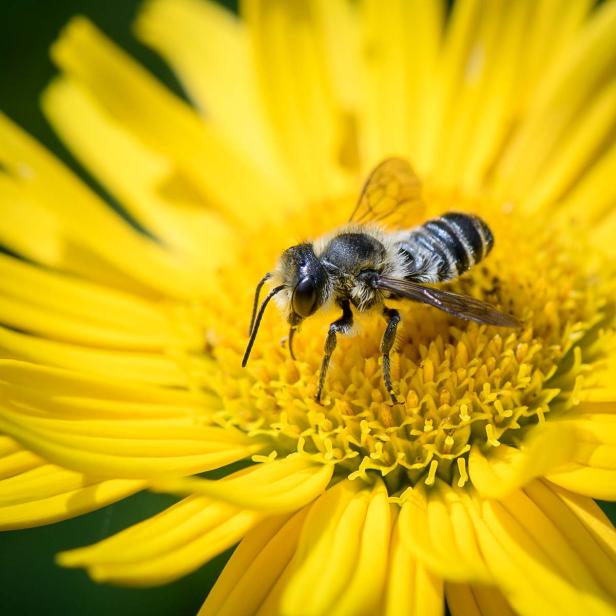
pixel 374 258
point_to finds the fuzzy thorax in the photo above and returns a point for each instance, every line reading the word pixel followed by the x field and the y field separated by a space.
pixel 336 261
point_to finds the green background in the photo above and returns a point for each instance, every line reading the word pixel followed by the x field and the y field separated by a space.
pixel 30 582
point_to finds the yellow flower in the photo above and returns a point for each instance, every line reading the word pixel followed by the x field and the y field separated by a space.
pixel 121 343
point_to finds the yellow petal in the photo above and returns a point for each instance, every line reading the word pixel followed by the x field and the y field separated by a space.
pixel 604 235
pixel 411 589
pixel 529 576
pixel 45 237
pixel 285 43
pixel 592 517
pixel 140 367
pixel 594 194
pixel 579 150
pixel 66 505
pixel 363 592
pixel 487 74
pixel 72 394
pixel 601 565
pixel 401 40
pixel 158 451
pixel 165 124
pixel 587 480
pixel 33 492
pixel 474 600
pixel 192 36
pixel 132 260
pixel 506 468
pixel 165 547
pixel 592 470
pixel 546 533
pixel 554 26
pixel 66 307
pixel 129 441
pixel 508 81
pixel 437 531
pixel 254 567
pixel 341 44
pixel 569 86
pixel 276 486
pixel 138 178
pixel 17 462
pixel 330 556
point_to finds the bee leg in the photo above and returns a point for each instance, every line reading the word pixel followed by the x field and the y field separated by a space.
pixel 392 317
pixel 340 326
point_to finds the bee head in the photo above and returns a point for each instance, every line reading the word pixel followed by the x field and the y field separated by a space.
pixel 305 278
pixel 300 283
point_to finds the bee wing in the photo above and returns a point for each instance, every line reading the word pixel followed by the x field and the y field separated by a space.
pixel 462 306
pixel 391 195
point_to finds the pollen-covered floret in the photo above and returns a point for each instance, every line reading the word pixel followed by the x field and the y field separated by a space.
pixel 460 383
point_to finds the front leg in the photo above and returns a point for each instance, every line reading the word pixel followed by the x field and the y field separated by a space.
pixel 340 326
pixel 392 317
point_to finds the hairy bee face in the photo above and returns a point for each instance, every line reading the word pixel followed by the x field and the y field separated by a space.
pixel 305 281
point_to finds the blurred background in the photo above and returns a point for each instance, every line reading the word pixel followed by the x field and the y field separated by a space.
pixel 30 582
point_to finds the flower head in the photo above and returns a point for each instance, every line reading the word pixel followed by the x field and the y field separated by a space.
pixel 123 342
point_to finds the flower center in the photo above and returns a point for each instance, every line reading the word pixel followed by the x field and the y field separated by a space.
pixel 459 383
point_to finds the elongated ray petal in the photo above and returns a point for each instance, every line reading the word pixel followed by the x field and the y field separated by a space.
pixel 332 527
pixel 474 600
pixel 600 560
pixel 255 566
pixel 193 36
pixel 513 547
pixel 146 183
pixel 64 307
pixel 592 470
pixel 165 547
pixel 438 532
pixel 33 492
pixel 276 486
pixel 592 517
pixel 594 193
pixel 506 469
pixel 294 86
pixel 88 223
pixel 411 590
pixel 398 65
pixel 164 122
pixel 570 86
pixel 587 480
pixel 126 441
pixel 155 451
pixel 76 394
pixel 135 366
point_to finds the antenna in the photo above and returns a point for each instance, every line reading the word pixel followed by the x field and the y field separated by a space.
pixel 257 321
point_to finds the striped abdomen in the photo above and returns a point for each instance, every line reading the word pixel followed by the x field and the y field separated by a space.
pixel 445 247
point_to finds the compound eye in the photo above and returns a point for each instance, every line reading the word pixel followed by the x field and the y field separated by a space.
pixel 305 297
